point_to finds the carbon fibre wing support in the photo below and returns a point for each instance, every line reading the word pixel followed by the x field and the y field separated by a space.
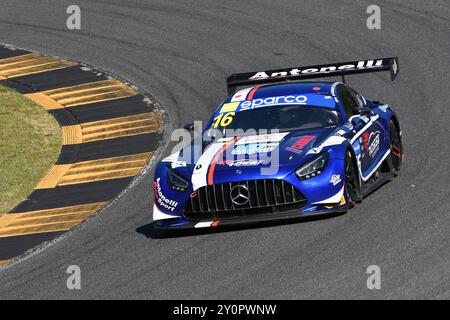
pixel 311 72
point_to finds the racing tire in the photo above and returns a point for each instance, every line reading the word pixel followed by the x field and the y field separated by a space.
pixel 352 189
pixel 396 149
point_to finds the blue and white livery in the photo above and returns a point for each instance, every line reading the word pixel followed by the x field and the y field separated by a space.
pixel 282 149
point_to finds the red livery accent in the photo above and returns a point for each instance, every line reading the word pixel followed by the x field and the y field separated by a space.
pixel 212 167
pixel 302 142
pixel 396 151
pixel 252 93
pixel 215 224
pixel 154 190
pixel 366 140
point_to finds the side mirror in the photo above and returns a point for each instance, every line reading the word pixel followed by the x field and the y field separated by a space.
pixel 189 127
pixel 364 111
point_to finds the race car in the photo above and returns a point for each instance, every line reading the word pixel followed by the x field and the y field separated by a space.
pixel 281 148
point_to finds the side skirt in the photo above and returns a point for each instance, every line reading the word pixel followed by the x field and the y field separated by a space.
pixel 381 176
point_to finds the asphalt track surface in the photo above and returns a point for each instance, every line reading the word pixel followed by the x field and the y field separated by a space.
pixel 181 52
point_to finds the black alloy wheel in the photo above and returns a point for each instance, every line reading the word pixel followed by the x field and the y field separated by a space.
pixel 351 180
pixel 396 148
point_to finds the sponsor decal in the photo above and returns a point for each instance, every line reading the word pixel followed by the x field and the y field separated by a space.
pixel 161 199
pixel 243 163
pixel 384 107
pixel 270 137
pixel 374 143
pixel 364 64
pixel 223 119
pixel 241 95
pixel 306 99
pixel 249 149
pixel 335 179
pixel 300 144
pixel 229 107
pixel 237 105
pixel 271 101
pixel 371 143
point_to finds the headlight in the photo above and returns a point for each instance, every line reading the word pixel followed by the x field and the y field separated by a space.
pixel 175 181
pixel 313 167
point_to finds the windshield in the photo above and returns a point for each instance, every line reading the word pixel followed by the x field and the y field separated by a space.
pixel 281 118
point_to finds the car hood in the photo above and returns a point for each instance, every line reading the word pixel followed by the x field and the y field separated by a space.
pixel 239 157
pixel 290 151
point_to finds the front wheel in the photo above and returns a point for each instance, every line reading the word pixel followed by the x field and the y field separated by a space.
pixel 351 180
pixel 396 148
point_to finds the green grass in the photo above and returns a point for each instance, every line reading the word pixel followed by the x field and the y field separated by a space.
pixel 30 141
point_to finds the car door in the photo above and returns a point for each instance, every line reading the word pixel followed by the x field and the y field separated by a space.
pixel 367 130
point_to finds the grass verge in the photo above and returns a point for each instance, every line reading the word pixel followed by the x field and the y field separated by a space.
pixel 30 141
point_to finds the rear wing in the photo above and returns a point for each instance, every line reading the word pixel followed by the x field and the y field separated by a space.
pixel 310 72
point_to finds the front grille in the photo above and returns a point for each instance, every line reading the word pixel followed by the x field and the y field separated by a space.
pixel 265 197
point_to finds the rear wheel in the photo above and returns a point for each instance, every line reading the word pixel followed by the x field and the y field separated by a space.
pixel 396 148
pixel 351 180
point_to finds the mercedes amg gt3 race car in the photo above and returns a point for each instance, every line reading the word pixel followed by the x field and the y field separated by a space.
pixel 279 148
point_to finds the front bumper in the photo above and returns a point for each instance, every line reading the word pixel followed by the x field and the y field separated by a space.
pixel 185 224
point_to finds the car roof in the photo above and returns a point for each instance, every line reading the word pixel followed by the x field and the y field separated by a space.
pixel 289 88
pixel 293 88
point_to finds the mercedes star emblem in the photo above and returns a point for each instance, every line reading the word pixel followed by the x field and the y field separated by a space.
pixel 239 195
